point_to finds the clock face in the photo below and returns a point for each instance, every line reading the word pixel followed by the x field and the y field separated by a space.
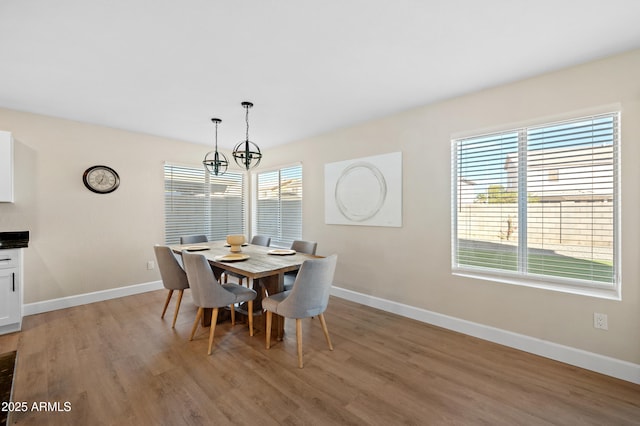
pixel 101 179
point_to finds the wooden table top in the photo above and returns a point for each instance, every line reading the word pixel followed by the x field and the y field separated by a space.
pixel 260 263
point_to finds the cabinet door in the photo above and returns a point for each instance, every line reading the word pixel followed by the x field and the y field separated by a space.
pixel 9 297
pixel 6 167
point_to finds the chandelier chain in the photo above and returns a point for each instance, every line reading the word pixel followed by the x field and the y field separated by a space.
pixel 216 136
pixel 246 119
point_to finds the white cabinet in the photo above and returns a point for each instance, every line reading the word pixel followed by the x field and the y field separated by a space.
pixel 10 290
pixel 6 167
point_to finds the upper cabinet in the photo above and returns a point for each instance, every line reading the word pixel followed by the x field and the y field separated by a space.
pixel 6 167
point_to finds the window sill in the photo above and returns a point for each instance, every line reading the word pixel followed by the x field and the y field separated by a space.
pixel 559 285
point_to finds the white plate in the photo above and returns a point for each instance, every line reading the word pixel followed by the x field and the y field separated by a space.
pixel 197 248
pixel 282 252
pixel 233 257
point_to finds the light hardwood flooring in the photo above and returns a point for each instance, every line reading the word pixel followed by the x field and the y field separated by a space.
pixel 117 362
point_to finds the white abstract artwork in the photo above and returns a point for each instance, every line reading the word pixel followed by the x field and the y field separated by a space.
pixel 365 191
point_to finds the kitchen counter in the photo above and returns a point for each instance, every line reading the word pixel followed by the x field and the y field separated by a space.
pixel 13 240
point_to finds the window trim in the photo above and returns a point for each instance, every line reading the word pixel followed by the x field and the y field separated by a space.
pixel 565 285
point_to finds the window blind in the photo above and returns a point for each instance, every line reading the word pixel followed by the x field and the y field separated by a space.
pixel 279 205
pixel 197 202
pixel 540 203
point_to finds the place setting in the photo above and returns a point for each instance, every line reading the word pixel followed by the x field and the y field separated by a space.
pixel 281 252
pixel 197 248
pixel 232 257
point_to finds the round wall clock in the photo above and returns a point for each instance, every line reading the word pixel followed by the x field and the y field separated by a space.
pixel 101 179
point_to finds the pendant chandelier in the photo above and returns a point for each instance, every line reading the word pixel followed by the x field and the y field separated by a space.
pixel 216 162
pixel 246 153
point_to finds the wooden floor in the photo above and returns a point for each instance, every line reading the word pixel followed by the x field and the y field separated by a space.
pixel 117 362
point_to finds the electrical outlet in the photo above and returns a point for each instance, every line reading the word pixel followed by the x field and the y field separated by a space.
pixel 600 321
pixel 151 265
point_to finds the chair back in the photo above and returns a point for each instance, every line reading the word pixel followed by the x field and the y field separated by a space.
pixel 261 240
pixel 310 293
pixel 172 274
pixel 205 288
pixel 192 239
pixel 308 247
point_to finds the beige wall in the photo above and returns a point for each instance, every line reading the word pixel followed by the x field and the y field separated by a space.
pixel 83 242
pixel 412 264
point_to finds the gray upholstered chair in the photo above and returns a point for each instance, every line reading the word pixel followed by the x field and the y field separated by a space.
pixel 193 239
pixel 209 293
pixel 300 246
pixel 309 297
pixel 261 240
pixel 173 277
pixel 257 240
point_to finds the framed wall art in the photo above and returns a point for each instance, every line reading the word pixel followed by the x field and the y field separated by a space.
pixel 364 191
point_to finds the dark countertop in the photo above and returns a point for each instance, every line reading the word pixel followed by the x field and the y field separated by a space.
pixel 12 240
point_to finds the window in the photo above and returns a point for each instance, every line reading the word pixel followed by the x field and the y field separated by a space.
pixel 539 206
pixel 278 210
pixel 197 202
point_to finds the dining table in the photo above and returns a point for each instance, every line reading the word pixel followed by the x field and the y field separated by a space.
pixel 263 266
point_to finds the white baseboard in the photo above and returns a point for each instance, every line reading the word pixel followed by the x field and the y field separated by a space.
pixel 83 299
pixel 11 328
pixel 588 360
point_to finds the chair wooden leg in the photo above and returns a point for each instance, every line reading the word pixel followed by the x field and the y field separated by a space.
pixel 195 323
pixel 175 316
pixel 299 340
pixel 268 329
pixel 214 319
pixel 233 314
pixel 326 331
pixel 250 308
pixel 166 303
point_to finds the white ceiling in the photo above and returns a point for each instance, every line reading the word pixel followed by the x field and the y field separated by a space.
pixel 165 67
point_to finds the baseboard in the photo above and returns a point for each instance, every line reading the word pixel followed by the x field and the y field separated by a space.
pixel 83 299
pixel 588 360
pixel 10 328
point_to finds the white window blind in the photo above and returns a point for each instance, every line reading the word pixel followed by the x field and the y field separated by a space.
pixel 197 202
pixel 540 204
pixel 278 211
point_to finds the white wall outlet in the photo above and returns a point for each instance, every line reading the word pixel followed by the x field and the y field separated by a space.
pixel 151 265
pixel 600 321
